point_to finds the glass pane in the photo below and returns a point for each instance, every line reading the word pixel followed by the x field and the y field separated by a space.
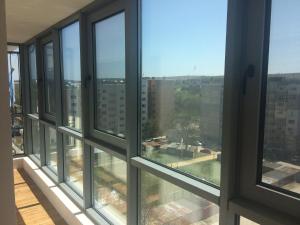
pixel 183 58
pixel 33 80
pixel 110 75
pixel 49 79
pixel 17 134
pixel 14 83
pixel 281 148
pixel 71 70
pixel 109 186
pixel 35 133
pixel 244 221
pixel 73 163
pixel 165 203
pixel 15 100
pixel 51 148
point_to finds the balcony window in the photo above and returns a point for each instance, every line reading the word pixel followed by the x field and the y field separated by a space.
pixel 15 99
pixel 51 148
pixel 165 203
pixel 71 70
pixel 35 134
pixel 110 72
pixel 183 57
pixel 73 160
pixel 281 149
pixel 49 81
pixel 33 79
pixel 110 186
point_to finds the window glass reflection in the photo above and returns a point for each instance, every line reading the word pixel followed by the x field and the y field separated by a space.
pixel 51 148
pixel 15 94
pixel 281 147
pixel 110 186
pixel 33 79
pixel 35 138
pixel 73 163
pixel 183 57
pixel 71 71
pixel 17 134
pixel 165 203
pixel 15 100
pixel 49 79
pixel 110 75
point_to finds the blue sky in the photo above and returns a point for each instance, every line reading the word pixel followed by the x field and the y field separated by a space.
pixel 186 38
pixel 110 47
pixel 71 52
pixel 284 54
pixel 183 37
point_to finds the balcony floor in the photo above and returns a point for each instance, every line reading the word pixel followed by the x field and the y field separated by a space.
pixel 33 208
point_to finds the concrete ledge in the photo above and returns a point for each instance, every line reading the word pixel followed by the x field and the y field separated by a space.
pixel 18 163
pixel 61 202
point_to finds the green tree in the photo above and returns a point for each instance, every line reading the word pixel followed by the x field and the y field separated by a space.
pixel 187 108
pixel 150 129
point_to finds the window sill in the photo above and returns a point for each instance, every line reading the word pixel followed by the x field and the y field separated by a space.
pixel 259 213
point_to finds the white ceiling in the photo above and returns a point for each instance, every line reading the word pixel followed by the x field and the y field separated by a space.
pixel 26 18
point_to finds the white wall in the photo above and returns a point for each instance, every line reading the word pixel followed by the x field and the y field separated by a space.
pixel 7 200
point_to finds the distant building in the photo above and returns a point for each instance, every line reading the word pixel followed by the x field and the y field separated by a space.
pixel 110 106
pixel 72 103
pixel 158 99
pixel 144 101
pixel 211 111
pixel 209 106
pixel 282 121
pixel 161 102
pixel 17 92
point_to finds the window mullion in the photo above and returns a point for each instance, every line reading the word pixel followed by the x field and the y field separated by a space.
pixel 232 82
pixel 132 73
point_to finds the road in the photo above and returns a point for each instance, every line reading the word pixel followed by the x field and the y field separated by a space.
pixel 192 161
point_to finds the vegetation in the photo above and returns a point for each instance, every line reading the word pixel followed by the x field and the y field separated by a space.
pixel 186 119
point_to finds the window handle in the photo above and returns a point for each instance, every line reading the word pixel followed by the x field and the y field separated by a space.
pixel 87 80
pixel 249 73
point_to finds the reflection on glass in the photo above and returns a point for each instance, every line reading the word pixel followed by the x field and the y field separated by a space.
pixel 17 135
pixel 110 186
pixel 51 148
pixel 165 203
pixel 73 163
pixel 33 79
pixel 49 79
pixel 281 149
pixel 110 75
pixel 14 82
pixel 182 84
pixel 35 133
pixel 70 45
pixel 245 221
pixel 15 100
